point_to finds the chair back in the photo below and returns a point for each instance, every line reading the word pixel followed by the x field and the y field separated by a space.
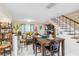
pixel 55 46
pixel 34 39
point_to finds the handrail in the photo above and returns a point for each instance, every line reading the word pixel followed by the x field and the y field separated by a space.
pixel 70 19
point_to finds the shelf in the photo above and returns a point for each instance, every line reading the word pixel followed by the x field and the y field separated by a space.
pixel 5 27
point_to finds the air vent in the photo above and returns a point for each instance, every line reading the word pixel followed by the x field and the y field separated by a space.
pixel 50 5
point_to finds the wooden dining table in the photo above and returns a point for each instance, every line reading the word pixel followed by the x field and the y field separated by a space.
pixel 43 42
pixel 4 46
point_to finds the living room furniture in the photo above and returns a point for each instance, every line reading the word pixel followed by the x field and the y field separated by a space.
pixel 36 46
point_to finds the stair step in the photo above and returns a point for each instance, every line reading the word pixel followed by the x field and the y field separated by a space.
pixel 73 33
pixel 77 42
pixel 68 30
pixel 77 37
pixel 62 24
pixel 65 28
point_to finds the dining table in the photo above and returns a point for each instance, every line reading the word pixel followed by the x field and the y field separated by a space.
pixel 44 41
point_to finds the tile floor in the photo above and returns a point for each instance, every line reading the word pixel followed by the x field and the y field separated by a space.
pixel 71 48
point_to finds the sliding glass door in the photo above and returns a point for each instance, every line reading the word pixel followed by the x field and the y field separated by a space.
pixel 27 28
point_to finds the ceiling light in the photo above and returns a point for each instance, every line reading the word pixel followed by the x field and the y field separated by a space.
pixel 50 5
pixel 29 20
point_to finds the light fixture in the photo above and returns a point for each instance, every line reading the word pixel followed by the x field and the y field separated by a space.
pixel 29 20
pixel 50 5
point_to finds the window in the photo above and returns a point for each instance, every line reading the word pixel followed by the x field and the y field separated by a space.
pixel 22 28
pixel 27 28
pixel 32 27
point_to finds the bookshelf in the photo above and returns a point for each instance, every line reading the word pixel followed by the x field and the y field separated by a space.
pixel 6 31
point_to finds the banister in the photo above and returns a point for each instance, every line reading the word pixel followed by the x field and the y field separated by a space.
pixel 70 19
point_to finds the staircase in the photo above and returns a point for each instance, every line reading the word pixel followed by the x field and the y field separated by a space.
pixel 66 29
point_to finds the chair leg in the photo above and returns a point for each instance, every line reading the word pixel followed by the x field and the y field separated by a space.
pixel 52 54
pixel 45 52
pixel 33 48
pixel 58 53
pixel 4 52
pixel 10 53
pixel 26 44
pixel 36 50
pixel 40 49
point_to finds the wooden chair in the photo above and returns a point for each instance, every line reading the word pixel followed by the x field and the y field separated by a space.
pixel 7 51
pixel 1 51
pixel 22 43
pixel 29 40
pixel 8 38
pixel 53 48
pixel 36 46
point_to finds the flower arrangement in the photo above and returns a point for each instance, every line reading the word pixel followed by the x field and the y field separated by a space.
pixel 29 33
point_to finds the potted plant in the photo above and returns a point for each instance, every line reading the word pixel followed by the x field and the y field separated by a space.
pixel 0 41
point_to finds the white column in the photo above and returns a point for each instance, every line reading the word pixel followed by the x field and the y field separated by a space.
pixel 15 45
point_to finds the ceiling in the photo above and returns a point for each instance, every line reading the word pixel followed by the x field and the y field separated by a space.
pixel 39 11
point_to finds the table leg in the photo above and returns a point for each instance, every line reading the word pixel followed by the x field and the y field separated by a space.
pixel 59 49
pixel 35 50
pixel 63 50
pixel 42 48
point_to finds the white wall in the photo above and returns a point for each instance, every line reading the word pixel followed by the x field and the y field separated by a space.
pixel 4 14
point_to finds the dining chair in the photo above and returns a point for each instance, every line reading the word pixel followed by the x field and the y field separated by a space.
pixel 7 51
pixel 53 48
pixel 36 46
pixel 1 52
pixel 21 43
